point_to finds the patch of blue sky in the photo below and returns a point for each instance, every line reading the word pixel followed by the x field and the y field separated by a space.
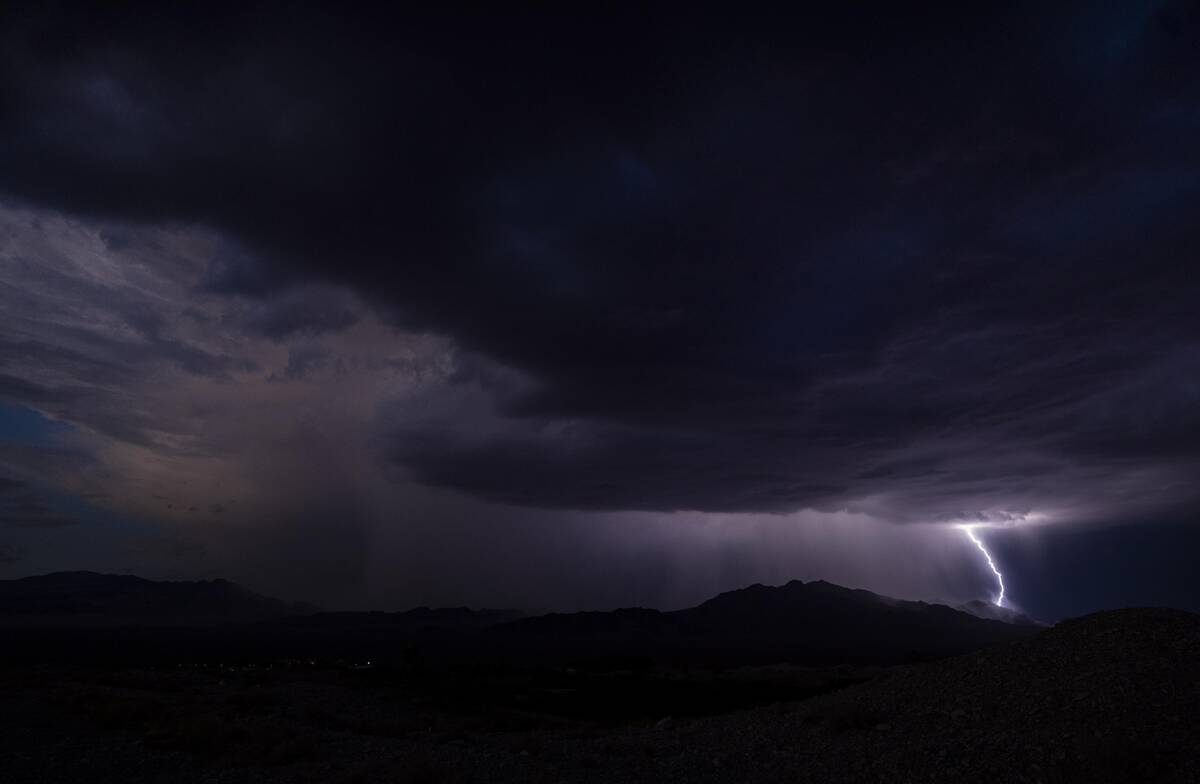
pixel 23 425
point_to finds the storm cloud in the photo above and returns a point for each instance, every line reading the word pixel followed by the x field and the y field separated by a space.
pixel 923 265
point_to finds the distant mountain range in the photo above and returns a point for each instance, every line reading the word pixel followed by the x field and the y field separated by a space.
pixel 796 620
pixel 815 617
pixel 92 599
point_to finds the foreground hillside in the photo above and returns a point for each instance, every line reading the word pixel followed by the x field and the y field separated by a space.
pixel 1112 697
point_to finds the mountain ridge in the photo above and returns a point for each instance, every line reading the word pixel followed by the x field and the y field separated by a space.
pixel 797 619
pixel 817 616
pixel 94 598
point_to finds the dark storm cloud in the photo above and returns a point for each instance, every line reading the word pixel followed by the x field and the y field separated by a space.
pixel 939 257
pixel 304 360
pixel 306 313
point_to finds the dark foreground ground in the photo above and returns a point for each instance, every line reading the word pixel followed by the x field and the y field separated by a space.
pixel 1113 697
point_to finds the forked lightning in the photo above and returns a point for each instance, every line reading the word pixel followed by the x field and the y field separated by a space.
pixel 991 564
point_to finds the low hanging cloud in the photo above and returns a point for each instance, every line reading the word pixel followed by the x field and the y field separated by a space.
pixel 777 304
pixel 243 470
pixel 287 480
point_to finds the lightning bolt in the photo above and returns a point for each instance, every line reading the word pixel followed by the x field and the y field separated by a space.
pixel 968 530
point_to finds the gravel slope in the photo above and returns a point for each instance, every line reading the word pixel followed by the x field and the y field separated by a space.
pixel 1112 697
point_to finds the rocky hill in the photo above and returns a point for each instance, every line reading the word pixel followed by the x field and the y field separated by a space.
pixel 1110 697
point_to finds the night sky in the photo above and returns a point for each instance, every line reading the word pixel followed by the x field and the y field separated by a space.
pixel 560 311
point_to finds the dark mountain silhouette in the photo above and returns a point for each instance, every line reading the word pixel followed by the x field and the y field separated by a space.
pixel 816 621
pixel 982 609
pixel 817 618
pixel 92 599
